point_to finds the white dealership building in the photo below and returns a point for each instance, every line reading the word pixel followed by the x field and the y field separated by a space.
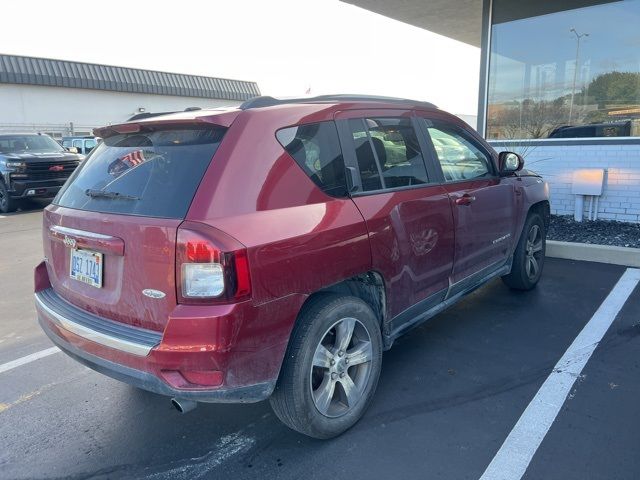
pixel 61 98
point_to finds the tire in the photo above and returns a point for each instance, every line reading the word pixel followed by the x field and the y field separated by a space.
pixel 528 258
pixel 325 399
pixel 7 204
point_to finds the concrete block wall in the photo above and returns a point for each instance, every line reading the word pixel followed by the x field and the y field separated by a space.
pixel 557 162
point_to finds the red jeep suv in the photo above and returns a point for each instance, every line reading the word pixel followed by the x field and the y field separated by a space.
pixel 276 249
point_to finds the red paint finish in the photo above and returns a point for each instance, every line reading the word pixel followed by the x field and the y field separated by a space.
pixel 484 227
pixel 243 341
pixel 148 262
pixel 412 242
pixel 285 239
pixel 41 278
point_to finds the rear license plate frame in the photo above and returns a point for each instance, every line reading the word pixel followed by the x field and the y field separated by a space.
pixel 89 267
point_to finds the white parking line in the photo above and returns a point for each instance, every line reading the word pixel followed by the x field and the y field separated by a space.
pixel 5 367
pixel 515 454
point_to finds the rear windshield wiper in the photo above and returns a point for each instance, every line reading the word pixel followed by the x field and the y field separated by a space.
pixel 105 194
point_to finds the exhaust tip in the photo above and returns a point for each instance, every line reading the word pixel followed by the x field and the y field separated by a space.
pixel 183 405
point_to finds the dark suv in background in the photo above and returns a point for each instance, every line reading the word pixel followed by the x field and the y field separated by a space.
pixel 32 165
pixel 275 250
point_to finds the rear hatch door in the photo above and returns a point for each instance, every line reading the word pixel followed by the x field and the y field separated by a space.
pixel 110 233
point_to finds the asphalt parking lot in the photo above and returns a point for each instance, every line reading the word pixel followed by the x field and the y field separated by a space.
pixel 453 395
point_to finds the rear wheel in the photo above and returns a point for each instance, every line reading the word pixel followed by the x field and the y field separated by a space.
pixel 528 259
pixel 7 204
pixel 331 368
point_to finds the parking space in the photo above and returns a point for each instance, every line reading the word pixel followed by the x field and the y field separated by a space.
pixel 599 428
pixel 450 393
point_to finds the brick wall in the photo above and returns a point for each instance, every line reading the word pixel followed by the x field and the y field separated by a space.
pixel 556 163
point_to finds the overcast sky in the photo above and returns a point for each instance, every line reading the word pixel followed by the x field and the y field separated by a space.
pixel 287 46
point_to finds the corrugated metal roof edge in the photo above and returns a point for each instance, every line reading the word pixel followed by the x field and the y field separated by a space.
pixel 20 71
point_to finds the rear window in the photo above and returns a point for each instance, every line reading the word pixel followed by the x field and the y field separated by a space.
pixel 316 149
pixel 151 173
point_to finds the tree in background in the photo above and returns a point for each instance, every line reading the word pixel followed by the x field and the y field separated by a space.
pixel 610 90
pixel 613 88
pixel 529 118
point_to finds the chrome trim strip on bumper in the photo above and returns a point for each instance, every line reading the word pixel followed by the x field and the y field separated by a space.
pixel 111 341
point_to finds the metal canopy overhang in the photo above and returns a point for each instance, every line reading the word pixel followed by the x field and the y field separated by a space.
pixel 457 19
pixel 462 19
pixel 16 69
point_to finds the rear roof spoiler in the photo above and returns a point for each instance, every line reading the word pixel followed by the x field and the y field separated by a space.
pixel 142 116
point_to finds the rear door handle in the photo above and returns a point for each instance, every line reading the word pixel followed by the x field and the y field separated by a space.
pixel 465 199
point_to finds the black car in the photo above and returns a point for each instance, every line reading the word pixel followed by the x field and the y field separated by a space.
pixel 611 129
pixel 32 165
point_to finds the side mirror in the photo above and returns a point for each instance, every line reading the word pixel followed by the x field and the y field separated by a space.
pixel 72 149
pixel 510 162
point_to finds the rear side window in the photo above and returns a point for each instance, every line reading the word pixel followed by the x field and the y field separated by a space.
pixel 388 153
pixel 151 173
pixel 316 149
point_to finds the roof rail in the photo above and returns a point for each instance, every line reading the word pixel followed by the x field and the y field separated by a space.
pixel 266 101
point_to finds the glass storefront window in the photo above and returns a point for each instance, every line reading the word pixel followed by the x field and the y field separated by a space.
pixel 556 72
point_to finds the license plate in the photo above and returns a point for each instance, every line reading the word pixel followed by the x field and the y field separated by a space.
pixel 86 266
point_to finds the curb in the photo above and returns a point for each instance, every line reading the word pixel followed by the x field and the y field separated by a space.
pixel 629 257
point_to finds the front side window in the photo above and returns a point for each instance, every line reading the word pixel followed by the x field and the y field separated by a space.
pixel 316 149
pixel 388 153
pixel 557 73
pixel 459 157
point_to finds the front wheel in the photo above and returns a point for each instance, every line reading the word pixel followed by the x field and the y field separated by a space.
pixel 7 204
pixel 331 368
pixel 528 258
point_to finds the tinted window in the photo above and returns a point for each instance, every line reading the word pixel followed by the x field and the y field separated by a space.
pixel 388 153
pixel 315 147
pixel 459 157
pixel 29 144
pixel 154 173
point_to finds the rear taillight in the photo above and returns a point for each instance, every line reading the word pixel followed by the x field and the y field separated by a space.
pixel 211 267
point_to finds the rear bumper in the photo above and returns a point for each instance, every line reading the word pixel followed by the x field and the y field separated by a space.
pixel 150 382
pixel 136 341
pixel 221 353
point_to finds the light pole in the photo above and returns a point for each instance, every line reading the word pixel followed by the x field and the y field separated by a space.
pixel 575 70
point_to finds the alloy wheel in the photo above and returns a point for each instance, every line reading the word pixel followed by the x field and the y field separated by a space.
pixel 533 258
pixel 341 367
